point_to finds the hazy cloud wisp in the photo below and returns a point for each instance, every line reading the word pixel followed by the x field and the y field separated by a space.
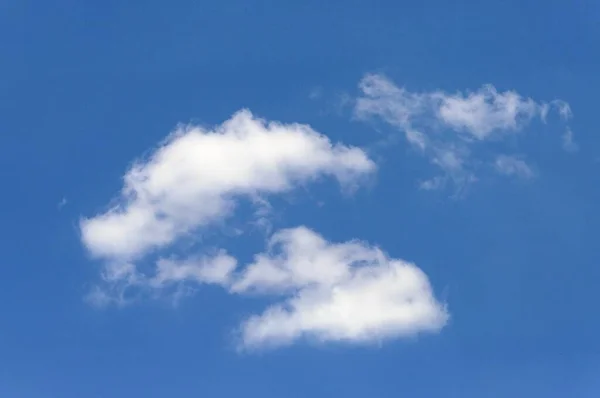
pixel 449 128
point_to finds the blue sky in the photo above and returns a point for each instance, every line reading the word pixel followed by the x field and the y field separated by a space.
pixel 358 198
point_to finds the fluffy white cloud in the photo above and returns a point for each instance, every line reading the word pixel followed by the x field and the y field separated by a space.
pixel 449 128
pixel 194 178
pixel 344 292
pixel 485 111
pixel 349 291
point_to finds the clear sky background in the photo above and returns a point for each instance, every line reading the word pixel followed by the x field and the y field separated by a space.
pixel 131 257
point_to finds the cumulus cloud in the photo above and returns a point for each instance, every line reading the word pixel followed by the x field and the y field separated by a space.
pixel 333 292
pixel 450 128
pixel 194 178
pixel 343 292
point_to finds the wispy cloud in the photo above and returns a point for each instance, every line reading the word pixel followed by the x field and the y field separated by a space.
pixel 568 141
pixel 315 93
pixel 512 165
pixel 62 203
pixel 450 128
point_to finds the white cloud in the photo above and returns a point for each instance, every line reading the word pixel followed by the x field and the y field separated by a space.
pixel 333 292
pixel 203 270
pixel 450 128
pixel 482 112
pixel 315 93
pixel 511 165
pixel 417 139
pixel 349 292
pixel 564 109
pixel 433 183
pixel 568 141
pixel 63 202
pixel 478 113
pixel 194 178
pixel 342 292
pixel 396 105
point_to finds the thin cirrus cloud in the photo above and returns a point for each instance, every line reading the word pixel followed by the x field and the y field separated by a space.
pixel 348 292
pixel 449 128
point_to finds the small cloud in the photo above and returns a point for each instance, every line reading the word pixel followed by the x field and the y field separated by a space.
pixel 568 142
pixel 417 139
pixel 63 202
pixel 456 131
pixel 214 270
pixel 564 109
pixel 433 183
pixel 485 111
pixel 315 93
pixel 335 292
pixel 511 165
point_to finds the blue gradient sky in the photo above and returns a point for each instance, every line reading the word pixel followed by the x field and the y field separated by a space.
pixel 87 87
